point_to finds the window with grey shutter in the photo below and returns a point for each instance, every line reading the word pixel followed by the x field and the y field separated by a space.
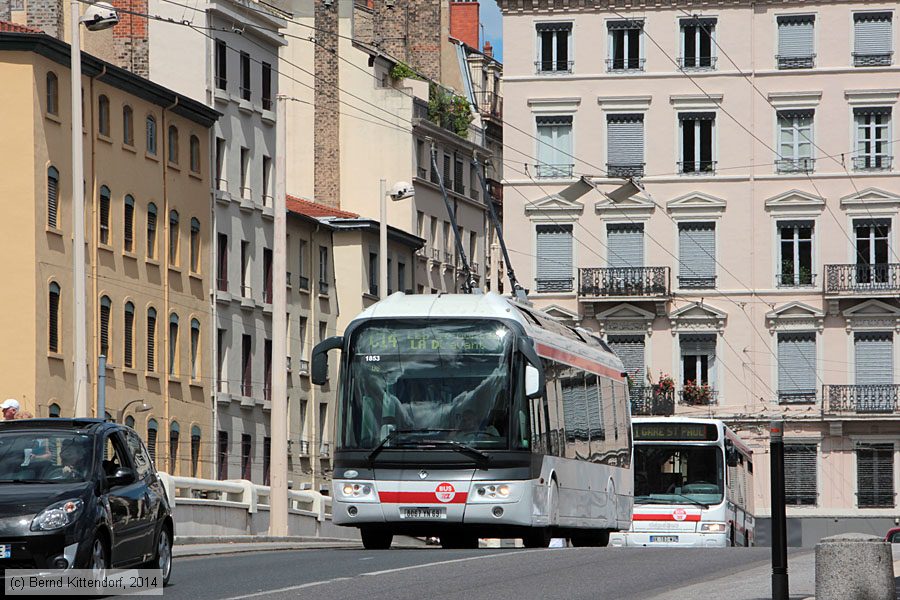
pixel 625 245
pixel 875 475
pixel 872 39
pixel 630 350
pixel 458 177
pixel 52 197
pixel 797 367
pixel 696 255
pixel 796 42
pixel 625 145
pixel 554 258
pixel 104 215
pixel 874 360
pixel 800 474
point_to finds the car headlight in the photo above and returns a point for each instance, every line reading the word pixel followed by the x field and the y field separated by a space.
pixel 356 491
pixel 712 528
pixel 493 491
pixel 57 516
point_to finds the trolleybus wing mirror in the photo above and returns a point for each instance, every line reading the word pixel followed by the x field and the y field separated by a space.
pixel 534 370
pixel 319 373
pixel 532 382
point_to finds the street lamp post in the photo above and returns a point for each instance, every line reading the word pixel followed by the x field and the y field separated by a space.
pixel 144 407
pixel 400 191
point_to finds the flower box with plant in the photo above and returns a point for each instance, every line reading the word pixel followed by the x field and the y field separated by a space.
pixel 665 386
pixel 696 394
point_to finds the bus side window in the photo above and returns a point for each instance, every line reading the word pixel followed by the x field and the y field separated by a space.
pixel 595 416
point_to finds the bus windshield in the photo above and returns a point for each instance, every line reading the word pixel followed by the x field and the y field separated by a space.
pixel 441 380
pixel 678 474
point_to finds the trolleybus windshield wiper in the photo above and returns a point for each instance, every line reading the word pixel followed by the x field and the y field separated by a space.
pixel 398 432
pixel 649 500
pixel 460 447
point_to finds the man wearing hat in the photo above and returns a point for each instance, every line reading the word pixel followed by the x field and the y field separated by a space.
pixel 9 407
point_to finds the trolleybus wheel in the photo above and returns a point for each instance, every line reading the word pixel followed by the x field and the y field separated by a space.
pixel 539 538
pixel 374 539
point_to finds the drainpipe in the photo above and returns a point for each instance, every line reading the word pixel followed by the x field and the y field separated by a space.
pixel 94 249
pixel 752 186
pixel 165 277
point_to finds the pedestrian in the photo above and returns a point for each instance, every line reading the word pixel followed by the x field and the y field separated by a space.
pixel 9 407
pixel 24 415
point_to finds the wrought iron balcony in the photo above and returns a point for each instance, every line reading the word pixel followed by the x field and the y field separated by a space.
pixel 795 165
pixel 697 63
pixel 303 282
pixel 801 279
pixel 647 400
pixel 495 188
pixel 620 282
pixel 797 397
pixel 323 288
pixel 624 65
pixel 545 67
pixel 872 162
pixel 624 171
pixel 869 59
pixel 877 279
pixel 561 284
pixel 304 366
pixel 692 282
pixel 544 170
pixel 796 62
pixel 697 167
pixel 861 399
pixel 490 104
pixel 698 396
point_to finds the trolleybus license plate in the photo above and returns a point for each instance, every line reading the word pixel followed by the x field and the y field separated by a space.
pixel 664 539
pixel 422 512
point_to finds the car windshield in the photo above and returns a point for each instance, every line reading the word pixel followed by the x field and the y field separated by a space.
pixel 436 381
pixel 678 474
pixel 45 456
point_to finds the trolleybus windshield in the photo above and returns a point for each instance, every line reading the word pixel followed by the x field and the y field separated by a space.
pixel 678 474
pixel 435 380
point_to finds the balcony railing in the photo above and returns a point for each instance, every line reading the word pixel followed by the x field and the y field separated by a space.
pixel 495 188
pixel 647 400
pixel 624 281
pixel 303 282
pixel 802 279
pixel 697 63
pixel 698 397
pixel 861 399
pixel 304 447
pixel 490 104
pixel 554 285
pixel 373 289
pixel 862 279
pixel 697 166
pixel 872 162
pixel 797 397
pixel 795 165
pixel 696 283
pixel 544 170
pixel 325 449
pixel 323 287
pixel 623 65
pixel 867 59
pixel 624 171
pixel 303 366
pixel 246 291
pixel 796 62
pixel 421 172
pixel 246 388
pixel 553 66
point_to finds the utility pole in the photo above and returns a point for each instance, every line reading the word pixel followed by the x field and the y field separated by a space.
pixel 78 283
pixel 779 520
pixel 382 243
pixel 278 424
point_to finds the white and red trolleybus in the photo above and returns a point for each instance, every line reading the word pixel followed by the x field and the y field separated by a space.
pixel 468 416
pixel 693 485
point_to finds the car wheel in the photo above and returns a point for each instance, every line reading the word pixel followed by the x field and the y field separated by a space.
pixel 163 559
pixel 99 557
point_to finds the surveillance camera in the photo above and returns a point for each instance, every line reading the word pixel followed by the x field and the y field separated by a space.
pixel 402 190
pixel 100 16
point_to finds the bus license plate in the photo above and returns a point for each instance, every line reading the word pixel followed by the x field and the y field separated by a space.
pixel 664 539
pixel 422 512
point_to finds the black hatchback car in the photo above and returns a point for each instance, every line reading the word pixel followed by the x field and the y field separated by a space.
pixel 80 493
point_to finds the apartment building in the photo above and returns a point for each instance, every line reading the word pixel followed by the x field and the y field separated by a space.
pixel 757 263
pixel 147 229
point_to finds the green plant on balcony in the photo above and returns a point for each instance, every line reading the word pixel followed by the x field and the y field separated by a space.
pixel 448 110
pixel 789 277
pixel 665 385
pixel 696 394
pixel 404 71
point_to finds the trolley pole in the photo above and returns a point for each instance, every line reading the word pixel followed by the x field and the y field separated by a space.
pixel 779 520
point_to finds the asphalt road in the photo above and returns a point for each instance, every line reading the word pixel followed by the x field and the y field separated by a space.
pixel 432 573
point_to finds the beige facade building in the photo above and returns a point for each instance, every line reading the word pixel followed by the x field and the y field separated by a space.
pixel 760 258
pixel 148 227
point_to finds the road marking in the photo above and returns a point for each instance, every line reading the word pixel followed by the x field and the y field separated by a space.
pixel 367 558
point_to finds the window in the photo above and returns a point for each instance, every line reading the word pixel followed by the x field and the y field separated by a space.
pixel 128 350
pixel 54 411
pixel 174 433
pixel 195 245
pixel 267 181
pixel 151 340
pixel 796 42
pixel 53 318
pixel 105 309
pixel 103 115
pixel 221 65
pixel 800 474
pixel 151 231
pixel 195 450
pixel 52 94
pixel 625 246
pixel 267 370
pixel 872 247
pixel 698 358
pixel 625 46
pixel 221 349
pixel 796 367
pixel 267 459
pixel 697 142
pixel 220 182
pixel 151 135
pixel 875 475
pixel 266 86
pixel 195 349
pixel 129 421
pixel 698 35
pixel 245 76
pixel 874 361
pixel 554 258
pixel 390 269
pixel 267 275
pixel 222 456
pixel 301 326
pixel 245 172
pixel 246 366
pixel 373 273
pixel 128 231
pixel 195 154
pixel 873 146
pixel 795 247
pixel 872 39
pixel 152 430
pixel 401 277
pixel 246 454
pixel 173 144
pixel 302 267
pixel 323 418
pixel 52 198
pixel 458 169
pixel 323 270
pixel 697 255
pixel 173 344
pixel 625 145
pixel 127 126
pixel 630 348
pixel 246 292
pixel 173 237
pixel 554 48
pixel 554 146
pixel 222 262
pixel 104 215
pixel 795 141
pixel 323 330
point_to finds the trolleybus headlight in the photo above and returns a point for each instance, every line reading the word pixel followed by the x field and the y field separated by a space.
pixel 712 527
pixel 493 491
pixel 503 491
pixel 357 490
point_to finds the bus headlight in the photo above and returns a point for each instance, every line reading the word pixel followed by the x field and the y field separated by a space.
pixel 493 492
pixel 712 528
pixel 356 491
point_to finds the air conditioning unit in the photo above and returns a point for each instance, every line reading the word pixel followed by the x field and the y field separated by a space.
pixel 306 486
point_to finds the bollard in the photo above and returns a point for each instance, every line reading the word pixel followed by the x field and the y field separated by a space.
pixel 854 566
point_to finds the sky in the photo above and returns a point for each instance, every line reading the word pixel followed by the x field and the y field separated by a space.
pixel 493 26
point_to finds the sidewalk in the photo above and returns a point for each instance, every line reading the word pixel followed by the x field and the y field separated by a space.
pixel 212 545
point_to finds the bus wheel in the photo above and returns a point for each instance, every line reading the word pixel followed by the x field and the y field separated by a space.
pixel 374 539
pixel 539 537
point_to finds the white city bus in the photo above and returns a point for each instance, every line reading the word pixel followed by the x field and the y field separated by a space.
pixel 471 416
pixel 693 485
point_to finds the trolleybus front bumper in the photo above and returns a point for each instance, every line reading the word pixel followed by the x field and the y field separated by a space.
pixel 675 539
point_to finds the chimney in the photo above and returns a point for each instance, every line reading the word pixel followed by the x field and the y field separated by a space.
pixel 488 49
pixel 464 21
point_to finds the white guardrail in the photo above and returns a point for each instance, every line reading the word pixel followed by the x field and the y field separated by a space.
pixel 241 493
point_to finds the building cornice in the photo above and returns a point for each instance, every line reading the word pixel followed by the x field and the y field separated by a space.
pixel 566 6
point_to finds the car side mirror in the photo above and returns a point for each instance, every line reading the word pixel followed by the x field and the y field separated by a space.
pixel 319 374
pixel 122 476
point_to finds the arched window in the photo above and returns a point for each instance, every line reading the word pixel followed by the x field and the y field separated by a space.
pixel 128 351
pixel 104 214
pixel 151 339
pixel 53 318
pixel 151 135
pixel 52 94
pixel 151 230
pixel 52 197
pixel 195 349
pixel 173 237
pixel 152 430
pixel 129 421
pixel 105 308
pixel 173 144
pixel 195 450
pixel 127 126
pixel 195 154
pixel 54 411
pixel 174 432
pixel 103 115
pixel 195 245
pixel 173 344
pixel 128 232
